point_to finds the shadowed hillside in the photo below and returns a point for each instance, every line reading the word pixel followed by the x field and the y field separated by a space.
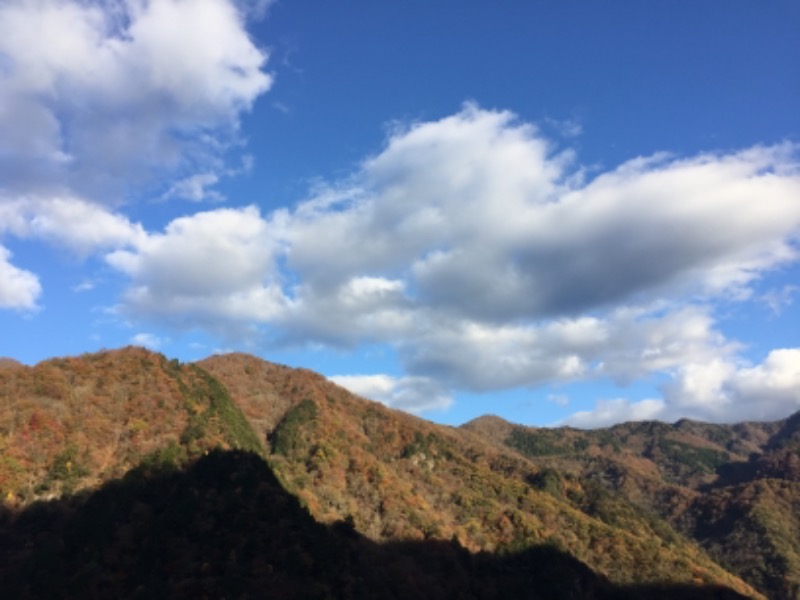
pixel 224 527
pixel 396 476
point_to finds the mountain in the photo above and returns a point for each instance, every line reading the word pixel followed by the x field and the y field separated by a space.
pixel 72 423
pixel 223 527
pixel 395 476
pixel 626 510
pixel 733 489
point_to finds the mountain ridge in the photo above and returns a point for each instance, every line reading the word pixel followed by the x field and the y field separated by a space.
pixel 627 501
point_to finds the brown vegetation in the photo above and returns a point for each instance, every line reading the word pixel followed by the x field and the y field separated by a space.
pixel 640 504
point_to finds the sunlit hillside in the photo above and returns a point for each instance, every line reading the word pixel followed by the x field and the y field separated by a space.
pixel 640 504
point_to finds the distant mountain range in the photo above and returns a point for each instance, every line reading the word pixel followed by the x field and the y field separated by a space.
pixel 126 474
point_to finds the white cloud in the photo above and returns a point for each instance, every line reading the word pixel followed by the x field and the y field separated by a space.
pixel 215 266
pixel 19 289
pixel 104 102
pixel 69 221
pixel 411 394
pixel 487 264
pixel 102 97
pixel 485 257
pixel 358 310
pixel 483 222
pixel 84 286
pixel 625 345
pixel 617 410
pixel 723 391
pixel 558 399
pixel 719 391
pixel 779 300
pixel 567 128
pixel 147 340
pixel 195 188
pixel 257 9
pixel 778 376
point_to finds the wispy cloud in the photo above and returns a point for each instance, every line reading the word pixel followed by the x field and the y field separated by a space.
pixel 147 340
pixel 779 300
pixel 84 286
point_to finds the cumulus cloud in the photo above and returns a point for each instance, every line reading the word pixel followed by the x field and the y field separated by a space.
pixel 726 391
pixel 411 394
pixel 102 96
pixel 720 391
pixel 63 220
pixel 361 309
pixel 211 266
pixel 489 261
pixel 19 289
pixel 625 345
pixel 68 221
pixel 102 103
pixel 485 221
pixel 476 247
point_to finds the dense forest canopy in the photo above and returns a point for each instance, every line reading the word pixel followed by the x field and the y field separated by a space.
pixel 104 457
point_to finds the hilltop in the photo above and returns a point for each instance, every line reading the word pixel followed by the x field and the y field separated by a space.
pixel 639 504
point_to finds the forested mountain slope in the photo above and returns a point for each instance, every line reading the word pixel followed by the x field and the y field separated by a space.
pixel 223 527
pixel 395 476
pixel 71 423
pixel 643 504
pixel 734 489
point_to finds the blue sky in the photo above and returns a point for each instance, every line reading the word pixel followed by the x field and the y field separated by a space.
pixel 557 212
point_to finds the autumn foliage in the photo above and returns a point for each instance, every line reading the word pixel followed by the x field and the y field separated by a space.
pixel 640 505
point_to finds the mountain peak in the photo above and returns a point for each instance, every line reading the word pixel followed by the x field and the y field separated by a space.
pixel 9 363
